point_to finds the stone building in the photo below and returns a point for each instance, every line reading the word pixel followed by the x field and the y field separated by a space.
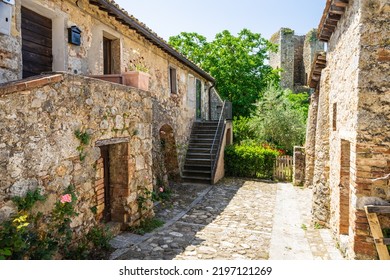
pixel 295 56
pixel 348 141
pixel 71 113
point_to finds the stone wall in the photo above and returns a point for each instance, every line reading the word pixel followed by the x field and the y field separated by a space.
pixel 10 58
pixel 352 148
pixel 311 46
pixel 373 137
pixel 321 190
pixel 39 149
pixel 175 110
pixel 299 69
pixel 216 105
pixel 295 55
pixel 311 140
pixel 299 166
pixel 227 139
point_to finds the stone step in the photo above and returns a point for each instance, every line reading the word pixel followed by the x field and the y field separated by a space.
pixel 197 167
pixel 199 146
pixel 197 173
pixel 196 180
pixel 205 150
pixel 114 228
pixel 199 161
pixel 204 131
pixel 203 136
pixel 201 140
pixel 199 155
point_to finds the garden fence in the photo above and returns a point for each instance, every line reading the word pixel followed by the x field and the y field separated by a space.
pixel 283 169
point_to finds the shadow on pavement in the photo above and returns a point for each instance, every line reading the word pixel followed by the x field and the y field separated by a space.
pixel 230 220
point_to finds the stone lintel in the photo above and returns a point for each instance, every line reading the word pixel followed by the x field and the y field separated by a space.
pixel 112 141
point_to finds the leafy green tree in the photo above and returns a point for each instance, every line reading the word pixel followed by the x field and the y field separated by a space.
pixel 192 45
pixel 242 130
pixel 277 122
pixel 236 62
pixel 299 102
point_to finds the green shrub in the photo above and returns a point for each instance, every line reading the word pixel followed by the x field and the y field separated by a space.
pixel 250 161
pixel 29 235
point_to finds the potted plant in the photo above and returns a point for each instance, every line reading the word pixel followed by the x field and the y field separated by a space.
pixel 137 73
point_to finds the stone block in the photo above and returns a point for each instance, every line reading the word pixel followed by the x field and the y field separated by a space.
pixel 21 187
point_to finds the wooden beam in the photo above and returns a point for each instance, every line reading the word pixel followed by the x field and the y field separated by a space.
pixel 378 209
pixel 94 3
pixel 337 10
pixel 333 24
pixel 335 17
pixel 341 3
pixel 377 234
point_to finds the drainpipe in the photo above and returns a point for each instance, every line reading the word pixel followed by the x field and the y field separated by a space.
pixel 212 86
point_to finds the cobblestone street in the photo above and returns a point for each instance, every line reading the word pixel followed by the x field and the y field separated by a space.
pixel 234 219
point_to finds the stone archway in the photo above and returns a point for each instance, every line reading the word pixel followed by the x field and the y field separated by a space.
pixel 169 152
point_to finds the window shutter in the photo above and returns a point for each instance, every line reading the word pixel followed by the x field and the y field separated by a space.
pixel 173 80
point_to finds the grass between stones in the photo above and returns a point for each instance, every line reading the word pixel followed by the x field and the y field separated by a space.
pixel 146 226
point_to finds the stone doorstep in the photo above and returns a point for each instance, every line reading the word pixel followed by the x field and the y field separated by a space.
pixel 114 228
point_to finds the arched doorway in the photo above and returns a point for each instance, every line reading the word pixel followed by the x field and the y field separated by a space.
pixel 169 152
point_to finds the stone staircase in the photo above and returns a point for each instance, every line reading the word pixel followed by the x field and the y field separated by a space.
pixel 198 163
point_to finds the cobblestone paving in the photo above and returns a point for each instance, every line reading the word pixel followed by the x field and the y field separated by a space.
pixel 231 220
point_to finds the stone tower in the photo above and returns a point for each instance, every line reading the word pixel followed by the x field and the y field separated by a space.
pixel 295 56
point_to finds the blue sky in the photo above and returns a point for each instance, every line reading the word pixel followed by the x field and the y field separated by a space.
pixel 208 17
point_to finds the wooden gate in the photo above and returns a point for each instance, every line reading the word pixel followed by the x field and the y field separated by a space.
pixel 283 169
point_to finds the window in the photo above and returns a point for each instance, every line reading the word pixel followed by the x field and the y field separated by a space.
pixel 172 80
pixel 111 54
pixel 107 56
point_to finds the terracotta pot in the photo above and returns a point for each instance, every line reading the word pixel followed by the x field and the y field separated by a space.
pixel 136 79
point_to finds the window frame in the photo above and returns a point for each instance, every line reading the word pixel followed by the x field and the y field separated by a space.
pixel 173 83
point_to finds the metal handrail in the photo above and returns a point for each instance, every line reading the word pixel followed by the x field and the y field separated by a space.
pixel 214 161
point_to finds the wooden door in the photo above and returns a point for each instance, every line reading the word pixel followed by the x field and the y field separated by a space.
pixel 107 56
pixel 107 190
pixel 36 43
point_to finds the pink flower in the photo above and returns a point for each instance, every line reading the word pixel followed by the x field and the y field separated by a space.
pixel 66 198
pixel 161 189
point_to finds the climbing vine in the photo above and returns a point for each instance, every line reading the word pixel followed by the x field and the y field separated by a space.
pixel 84 139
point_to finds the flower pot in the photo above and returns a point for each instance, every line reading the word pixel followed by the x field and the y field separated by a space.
pixel 136 79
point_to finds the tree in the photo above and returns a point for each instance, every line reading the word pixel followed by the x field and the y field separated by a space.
pixel 236 62
pixel 192 45
pixel 278 121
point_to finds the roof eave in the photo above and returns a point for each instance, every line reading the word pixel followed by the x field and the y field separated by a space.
pixel 333 12
pixel 122 17
pixel 319 64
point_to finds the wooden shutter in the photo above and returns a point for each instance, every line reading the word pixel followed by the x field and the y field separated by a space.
pixel 173 80
pixel 107 53
pixel 36 43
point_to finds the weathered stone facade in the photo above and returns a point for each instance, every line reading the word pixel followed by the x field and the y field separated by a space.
pixel 295 55
pixel 352 148
pixel 38 147
pixel 299 166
